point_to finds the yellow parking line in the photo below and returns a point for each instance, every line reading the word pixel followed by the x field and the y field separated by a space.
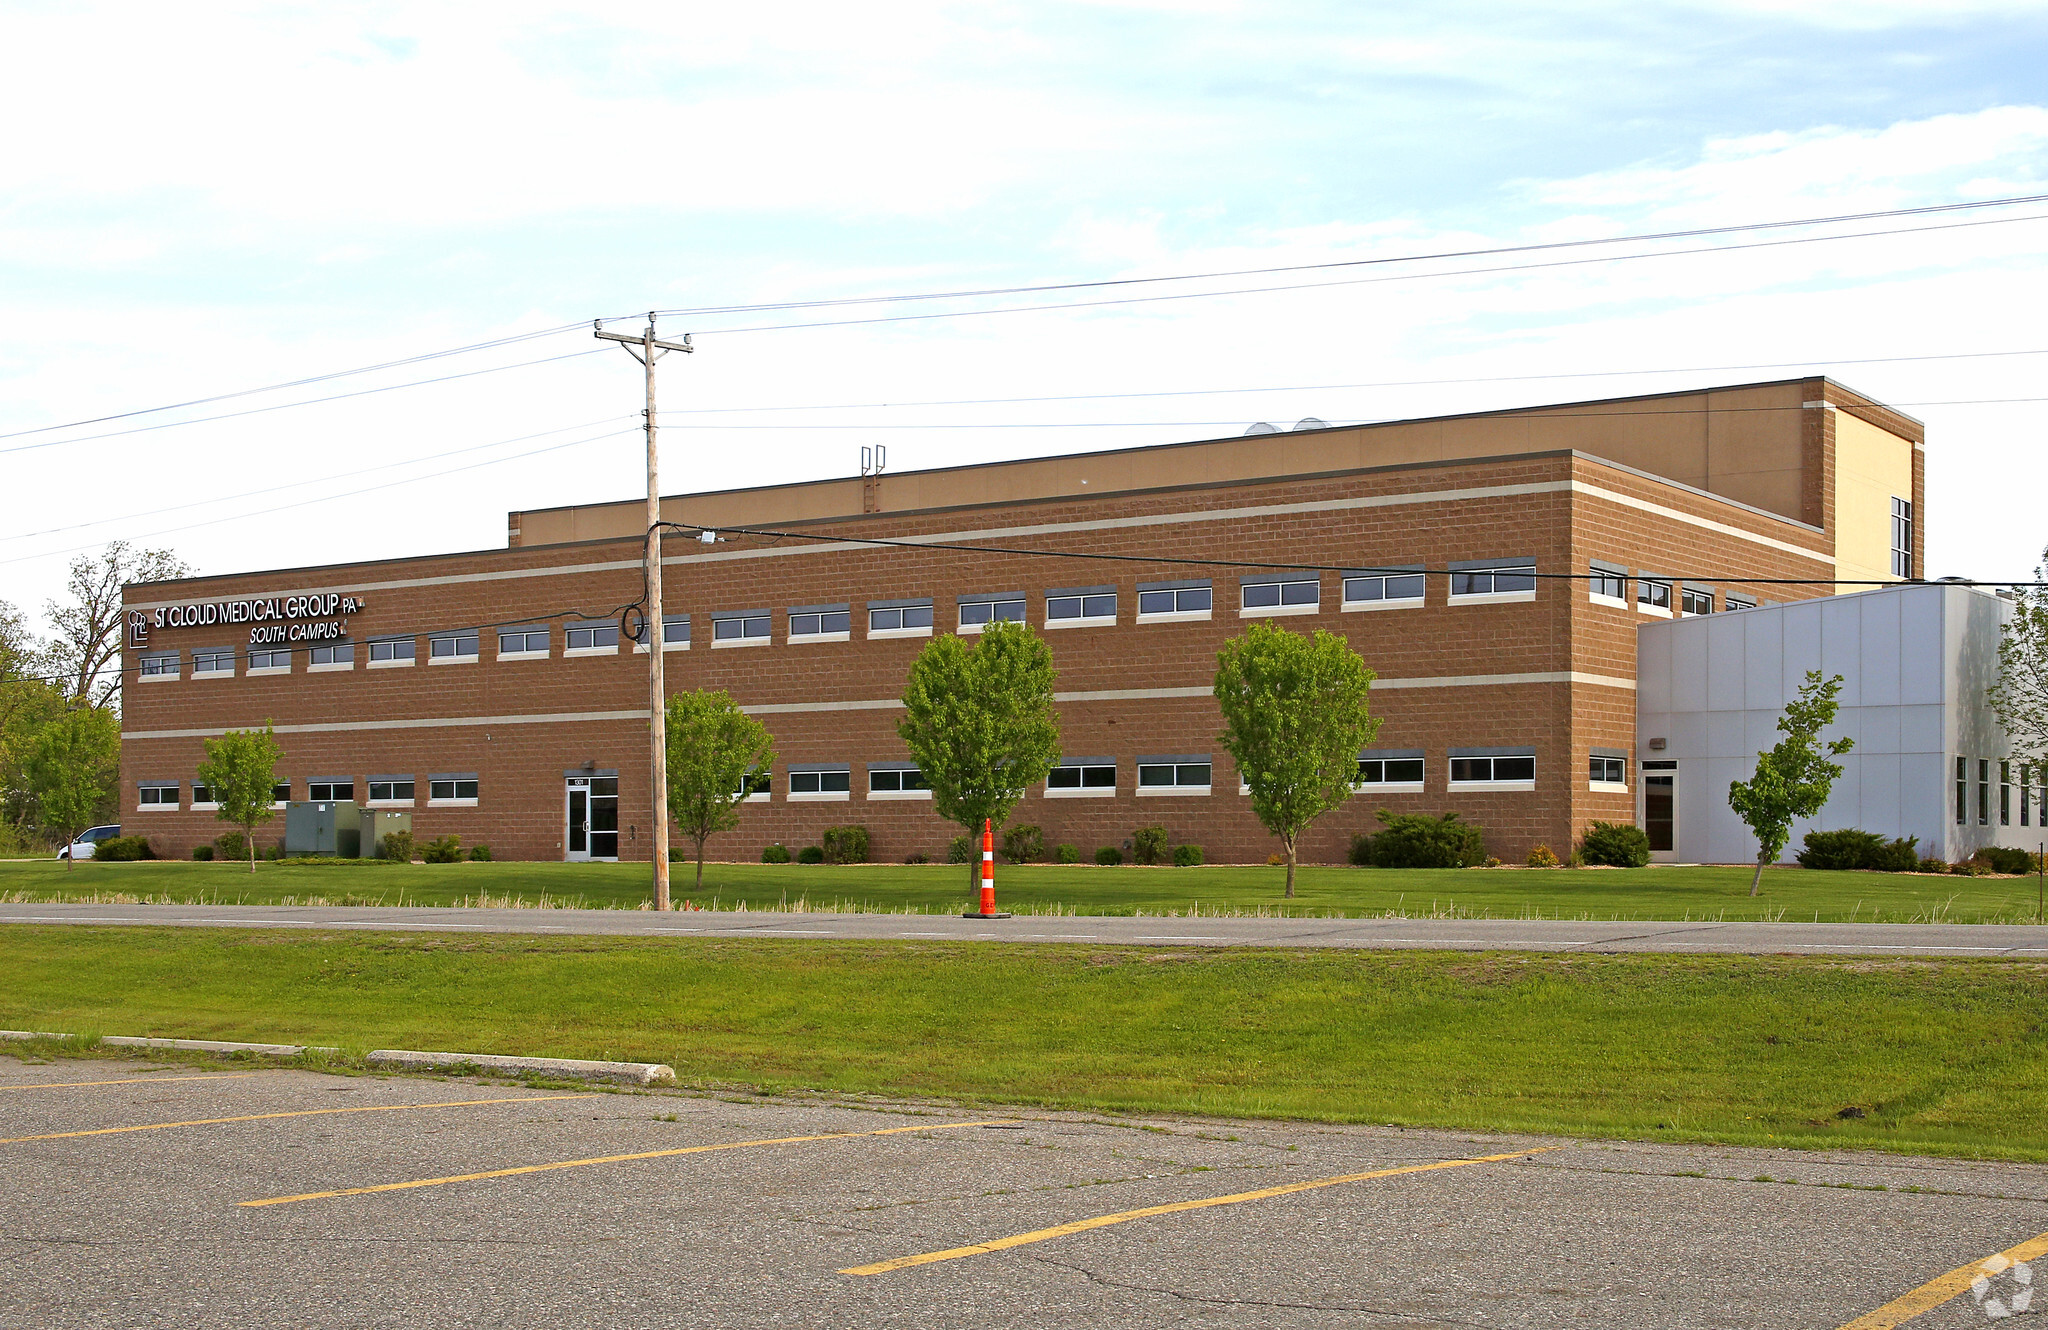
pixel 1104 1221
pixel 133 1080
pixel 301 1113
pixel 614 1159
pixel 1941 1288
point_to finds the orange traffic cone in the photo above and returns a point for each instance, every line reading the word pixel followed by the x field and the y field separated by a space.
pixel 988 876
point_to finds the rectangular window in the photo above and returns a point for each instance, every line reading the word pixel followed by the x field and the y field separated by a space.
pixel 334 653
pixel 1608 583
pixel 392 650
pixel 820 782
pixel 915 617
pixel 1157 600
pixel 1389 771
pixel 675 628
pixel 1375 588
pixel 822 621
pixel 756 786
pixel 281 794
pixel 453 646
pixel 332 791
pixel 1080 605
pixel 1735 600
pixel 743 628
pixel 1962 790
pixel 1983 791
pixel 391 790
pixel 1267 592
pixel 452 789
pixel 269 660
pixel 975 611
pixel 163 665
pixel 595 635
pixel 1082 775
pixel 1499 769
pixel 213 660
pixel 2026 789
pixel 1502 579
pixel 153 796
pixel 1607 770
pixel 897 780
pixel 1174 775
pixel 1653 595
pixel 1694 600
pixel 2005 794
pixel 1902 538
pixel 532 641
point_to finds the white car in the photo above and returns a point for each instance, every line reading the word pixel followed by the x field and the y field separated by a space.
pixel 88 842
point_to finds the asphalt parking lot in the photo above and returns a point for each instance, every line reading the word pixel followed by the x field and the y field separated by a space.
pixel 139 1194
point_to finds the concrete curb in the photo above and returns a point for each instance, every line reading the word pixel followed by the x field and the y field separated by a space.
pixel 625 1073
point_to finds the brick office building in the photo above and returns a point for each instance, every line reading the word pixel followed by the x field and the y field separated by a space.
pixel 489 693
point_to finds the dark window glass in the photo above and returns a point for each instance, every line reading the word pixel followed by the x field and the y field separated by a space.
pixel 281 792
pixel 1081 607
pixel 1493 581
pixel 521 641
pixel 591 636
pixel 397 648
pixel 391 791
pixel 448 646
pixel 1653 593
pixel 814 625
pixel 338 653
pixel 1612 585
pixel 451 789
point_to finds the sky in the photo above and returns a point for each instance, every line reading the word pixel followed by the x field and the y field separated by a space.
pixel 201 200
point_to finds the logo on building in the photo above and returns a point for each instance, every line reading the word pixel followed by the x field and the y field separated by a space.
pixel 138 628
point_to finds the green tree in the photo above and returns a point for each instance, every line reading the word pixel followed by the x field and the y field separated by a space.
pixel 715 751
pixel 241 770
pixel 28 702
pixel 979 722
pixel 1296 713
pixel 2020 697
pixel 1794 779
pixel 72 767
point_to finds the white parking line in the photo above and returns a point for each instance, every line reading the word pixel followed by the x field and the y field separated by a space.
pixel 1179 937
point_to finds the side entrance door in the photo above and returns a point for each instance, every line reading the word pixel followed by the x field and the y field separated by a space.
pixel 590 810
pixel 1660 808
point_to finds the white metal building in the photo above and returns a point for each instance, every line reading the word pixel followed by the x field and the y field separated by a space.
pixel 1931 759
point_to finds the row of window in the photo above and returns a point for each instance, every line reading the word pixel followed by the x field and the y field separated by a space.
pixel 1608 585
pixel 453 789
pixel 2027 796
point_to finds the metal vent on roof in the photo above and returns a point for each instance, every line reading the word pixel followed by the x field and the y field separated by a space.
pixel 1261 428
pixel 1310 422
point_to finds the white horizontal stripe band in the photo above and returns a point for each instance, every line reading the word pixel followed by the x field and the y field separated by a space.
pixel 424 723
pixel 1644 505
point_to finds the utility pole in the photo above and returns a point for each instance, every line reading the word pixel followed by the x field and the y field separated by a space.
pixel 646 349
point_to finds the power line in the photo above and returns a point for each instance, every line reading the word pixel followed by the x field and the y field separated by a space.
pixel 1356 263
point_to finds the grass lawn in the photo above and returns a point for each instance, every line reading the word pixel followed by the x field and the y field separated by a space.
pixel 1940 1056
pixel 1668 892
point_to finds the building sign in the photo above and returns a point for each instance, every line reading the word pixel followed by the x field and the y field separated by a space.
pixel 315 618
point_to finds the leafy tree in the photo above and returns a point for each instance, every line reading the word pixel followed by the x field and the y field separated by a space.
pixel 72 768
pixel 2020 697
pixel 715 750
pixel 1295 716
pixel 28 702
pixel 1794 779
pixel 241 770
pixel 980 723
pixel 87 651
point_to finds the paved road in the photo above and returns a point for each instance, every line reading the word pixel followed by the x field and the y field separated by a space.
pixel 412 1202
pixel 2019 940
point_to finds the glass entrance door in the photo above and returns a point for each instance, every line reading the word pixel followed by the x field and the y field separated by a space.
pixel 1660 807
pixel 591 811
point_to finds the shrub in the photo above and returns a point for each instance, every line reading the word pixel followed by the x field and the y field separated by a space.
pixel 1617 844
pixel 1417 840
pixel 231 845
pixel 777 853
pixel 1970 868
pixel 1361 851
pixel 917 858
pixel 1068 854
pixel 124 849
pixel 1276 861
pixel 1543 856
pixel 810 854
pixel 961 851
pixel 1847 848
pixel 1933 865
pixel 1897 856
pixel 1187 856
pixel 1109 856
pixel 846 845
pixel 1148 845
pixel 447 850
pixel 479 854
pixel 202 852
pixel 1023 845
pixel 396 846
pixel 275 852
pixel 1998 858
